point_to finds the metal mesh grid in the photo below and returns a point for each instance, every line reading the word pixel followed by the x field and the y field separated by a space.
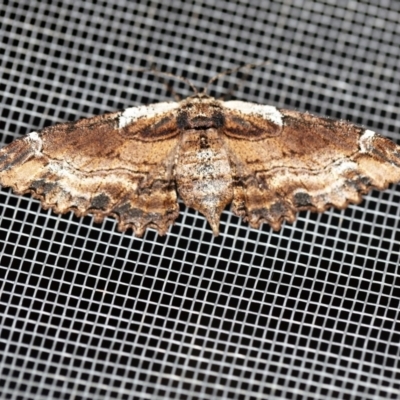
pixel 309 312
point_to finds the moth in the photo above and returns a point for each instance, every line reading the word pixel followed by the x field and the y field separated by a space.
pixel 268 163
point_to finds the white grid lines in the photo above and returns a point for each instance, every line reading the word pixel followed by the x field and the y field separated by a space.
pixel 311 311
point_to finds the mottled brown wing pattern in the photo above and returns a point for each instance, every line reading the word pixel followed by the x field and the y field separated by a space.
pixel 312 164
pixel 269 163
pixel 114 164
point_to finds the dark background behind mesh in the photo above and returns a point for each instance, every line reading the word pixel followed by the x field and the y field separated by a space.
pixel 308 312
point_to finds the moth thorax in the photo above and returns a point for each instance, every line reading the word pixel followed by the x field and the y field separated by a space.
pixel 206 119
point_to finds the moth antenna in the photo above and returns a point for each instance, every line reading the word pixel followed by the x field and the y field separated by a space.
pixel 231 71
pixel 158 73
pixel 235 87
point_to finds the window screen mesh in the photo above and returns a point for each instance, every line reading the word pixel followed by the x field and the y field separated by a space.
pixel 310 311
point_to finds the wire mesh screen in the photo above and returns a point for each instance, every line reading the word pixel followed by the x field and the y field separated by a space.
pixel 310 311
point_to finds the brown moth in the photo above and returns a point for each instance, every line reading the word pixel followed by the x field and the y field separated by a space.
pixel 268 163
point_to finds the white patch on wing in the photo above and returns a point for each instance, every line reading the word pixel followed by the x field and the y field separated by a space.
pixel 366 140
pixel 35 141
pixel 344 165
pixel 33 136
pixel 270 113
pixel 132 114
pixel 55 167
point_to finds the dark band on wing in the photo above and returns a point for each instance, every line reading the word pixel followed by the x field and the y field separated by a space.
pixel 249 127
